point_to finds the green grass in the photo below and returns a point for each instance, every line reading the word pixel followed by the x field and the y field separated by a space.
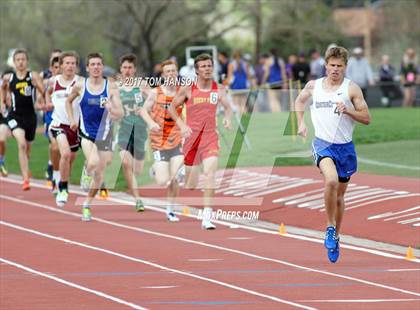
pixel 392 137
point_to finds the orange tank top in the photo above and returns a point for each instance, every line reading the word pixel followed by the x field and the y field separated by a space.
pixel 169 136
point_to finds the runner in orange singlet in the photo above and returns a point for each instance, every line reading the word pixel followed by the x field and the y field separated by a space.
pixel 165 136
pixel 201 144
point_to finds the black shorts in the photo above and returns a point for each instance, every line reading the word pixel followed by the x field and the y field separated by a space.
pixel 102 145
pixel 27 123
pixel 3 120
pixel 166 155
pixel 72 136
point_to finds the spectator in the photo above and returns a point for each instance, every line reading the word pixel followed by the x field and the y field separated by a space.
pixel 223 59
pixel 301 70
pixel 386 79
pixel 275 77
pixel 262 101
pixel 239 79
pixel 409 75
pixel 359 71
pixel 291 60
pixel 317 65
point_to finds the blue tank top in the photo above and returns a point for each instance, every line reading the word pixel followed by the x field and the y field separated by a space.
pixel 274 75
pixel 94 118
pixel 240 79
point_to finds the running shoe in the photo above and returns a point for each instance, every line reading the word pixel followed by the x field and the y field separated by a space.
pixel 86 215
pixel 172 217
pixel 330 241
pixel 25 185
pixel 334 254
pixel 61 198
pixel 207 225
pixel 139 207
pixel 3 170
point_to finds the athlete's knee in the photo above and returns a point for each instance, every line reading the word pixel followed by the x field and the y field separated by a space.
pixel 162 180
pixel 65 155
pixel 22 146
pixel 331 184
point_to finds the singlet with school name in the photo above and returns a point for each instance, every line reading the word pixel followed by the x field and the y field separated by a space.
pixel 330 125
pixel 131 100
pixel 169 136
pixel 22 94
pixel 58 98
pixel 201 109
pixel 94 117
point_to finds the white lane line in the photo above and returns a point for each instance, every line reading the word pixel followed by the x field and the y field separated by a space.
pixel 359 300
pixel 370 198
pixel 401 216
pixel 240 238
pixel 159 287
pixel 388 214
pixel 71 284
pixel 414 220
pixel 297 196
pixel 204 259
pixel 145 262
pixel 246 253
pixel 385 164
pixel 401 270
pixel 264 186
pixel 228 224
pixel 379 200
pixel 279 189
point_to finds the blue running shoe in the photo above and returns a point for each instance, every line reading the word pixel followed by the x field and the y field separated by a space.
pixel 334 254
pixel 330 241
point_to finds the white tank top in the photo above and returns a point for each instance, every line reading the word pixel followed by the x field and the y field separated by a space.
pixel 329 124
pixel 58 98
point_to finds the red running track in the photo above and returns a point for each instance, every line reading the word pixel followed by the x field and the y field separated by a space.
pixel 124 259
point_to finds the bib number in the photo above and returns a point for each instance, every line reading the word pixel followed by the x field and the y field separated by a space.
pixel 213 98
pixel 12 123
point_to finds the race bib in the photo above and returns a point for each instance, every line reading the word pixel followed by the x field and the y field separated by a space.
pixel 12 123
pixel 28 91
pixel 138 98
pixel 213 97
pixel 156 156
pixel 103 101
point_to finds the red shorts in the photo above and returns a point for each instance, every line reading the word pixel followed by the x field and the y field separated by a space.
pixel 72 136
pixel 200 146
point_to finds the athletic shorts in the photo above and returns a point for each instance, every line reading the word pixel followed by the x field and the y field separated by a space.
pixel 3 120
pixel 72 136
pixel 200 146
pixel 132 138
pixel 27 123
pixel 343 155
pixel 166 155
pixel 102 145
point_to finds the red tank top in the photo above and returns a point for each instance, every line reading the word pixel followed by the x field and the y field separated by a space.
pixel 201 109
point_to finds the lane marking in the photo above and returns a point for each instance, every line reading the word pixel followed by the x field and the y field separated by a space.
pixel 400 270
pixel 204 259
pixel 385 164
pixel 387 214
pixel 241 252
pixel 145 262
pixel 160 287
pixel 358 300
pixel 71 284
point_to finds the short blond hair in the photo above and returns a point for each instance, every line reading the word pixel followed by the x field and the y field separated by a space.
pixel 337 52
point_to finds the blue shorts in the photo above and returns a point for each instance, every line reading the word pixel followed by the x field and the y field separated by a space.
pixel 343 155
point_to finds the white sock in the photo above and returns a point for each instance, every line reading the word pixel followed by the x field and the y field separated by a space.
pixel 207 214
pixel 169 208
pixel 56 175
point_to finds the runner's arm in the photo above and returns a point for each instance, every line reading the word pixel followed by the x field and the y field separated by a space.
pixel 227 119
pixel 361 111
pixel 179 99
pixel 40 100
pixel 75 92
pixel 48 93
pixel 300 103
pixel 145 110
pixel 115 108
